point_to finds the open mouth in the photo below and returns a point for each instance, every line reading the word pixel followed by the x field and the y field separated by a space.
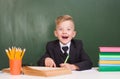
pixel 64 37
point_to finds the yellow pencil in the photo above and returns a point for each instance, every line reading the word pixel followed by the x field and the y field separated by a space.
pixel 66 59
pixel 11 53
pixel 15 53
pixel 8 54
pixel 23 53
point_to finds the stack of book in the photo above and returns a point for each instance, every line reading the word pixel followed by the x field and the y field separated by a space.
pixel 109 59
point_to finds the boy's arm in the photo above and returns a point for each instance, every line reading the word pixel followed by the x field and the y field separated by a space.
pixel 83 60
pixel 69 66
pixel 49 62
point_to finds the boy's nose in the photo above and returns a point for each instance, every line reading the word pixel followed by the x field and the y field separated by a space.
pixel 64 31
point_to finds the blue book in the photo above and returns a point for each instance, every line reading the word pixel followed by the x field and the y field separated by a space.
pixel 109 58
pixel 117 65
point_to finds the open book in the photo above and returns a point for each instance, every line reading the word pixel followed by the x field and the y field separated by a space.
pixel 42 71
pixel 45 71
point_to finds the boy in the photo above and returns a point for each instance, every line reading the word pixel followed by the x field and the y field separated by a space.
pixel 56 50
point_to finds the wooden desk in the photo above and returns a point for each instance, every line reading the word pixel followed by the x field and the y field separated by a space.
pixel 86 74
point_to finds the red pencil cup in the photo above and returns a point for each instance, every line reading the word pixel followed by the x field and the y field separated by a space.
pixel 15 66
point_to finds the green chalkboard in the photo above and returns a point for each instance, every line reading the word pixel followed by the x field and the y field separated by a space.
pixel 30 24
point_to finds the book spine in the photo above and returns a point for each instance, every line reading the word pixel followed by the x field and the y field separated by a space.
pixel 109 62
pixel 109 49
pixel 109 68
pixel 109 53
pixel 118 65
pixel 110 58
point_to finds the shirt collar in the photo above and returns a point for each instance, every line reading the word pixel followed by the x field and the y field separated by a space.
pixel 62 45
pixel 68 44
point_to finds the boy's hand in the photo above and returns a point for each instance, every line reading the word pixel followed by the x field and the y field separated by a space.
pixel 49 62
pixel 69 66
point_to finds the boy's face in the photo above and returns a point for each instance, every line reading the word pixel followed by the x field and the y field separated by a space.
pixel 65 31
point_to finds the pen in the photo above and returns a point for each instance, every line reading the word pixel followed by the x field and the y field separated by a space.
pixel 66 59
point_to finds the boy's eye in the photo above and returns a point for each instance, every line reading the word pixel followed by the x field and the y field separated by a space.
pixel 60 29
pixel 68 29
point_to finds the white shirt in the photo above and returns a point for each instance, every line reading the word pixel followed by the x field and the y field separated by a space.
pixel 62 45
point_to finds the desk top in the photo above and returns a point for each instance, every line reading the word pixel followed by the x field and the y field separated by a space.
pixel 86 74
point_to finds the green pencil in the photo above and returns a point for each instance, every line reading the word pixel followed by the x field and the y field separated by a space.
pixel 66 59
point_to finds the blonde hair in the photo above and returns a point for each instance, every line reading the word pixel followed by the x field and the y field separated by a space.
pixel 63 18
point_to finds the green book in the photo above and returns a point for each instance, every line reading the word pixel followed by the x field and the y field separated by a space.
pixel 109 56
pixel 109 53
pixel 109 68
pixel 106 54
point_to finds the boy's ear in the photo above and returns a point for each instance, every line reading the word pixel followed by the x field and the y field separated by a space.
pixel 55 33
pixel 74 34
